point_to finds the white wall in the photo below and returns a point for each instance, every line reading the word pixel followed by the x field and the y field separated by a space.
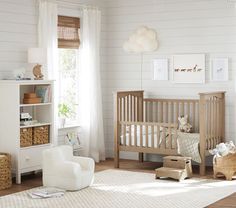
pixel 183 26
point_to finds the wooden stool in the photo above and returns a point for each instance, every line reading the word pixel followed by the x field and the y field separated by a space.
pixel 175 167
pixel 5 171
pixel 225 165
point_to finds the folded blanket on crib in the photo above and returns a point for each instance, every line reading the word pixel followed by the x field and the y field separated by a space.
pixel 188 145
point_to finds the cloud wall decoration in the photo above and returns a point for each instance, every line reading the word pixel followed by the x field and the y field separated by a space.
pixel 142 40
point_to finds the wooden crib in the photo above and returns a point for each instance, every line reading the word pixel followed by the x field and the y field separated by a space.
pixel 132 110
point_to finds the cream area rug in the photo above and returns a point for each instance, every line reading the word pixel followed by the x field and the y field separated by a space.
pixel 117 188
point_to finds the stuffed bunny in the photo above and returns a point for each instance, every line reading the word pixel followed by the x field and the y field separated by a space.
pixel 184 126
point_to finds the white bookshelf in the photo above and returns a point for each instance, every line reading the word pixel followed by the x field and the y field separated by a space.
pixel 24 159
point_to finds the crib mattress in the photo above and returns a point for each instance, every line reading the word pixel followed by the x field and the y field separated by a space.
pixel 187 143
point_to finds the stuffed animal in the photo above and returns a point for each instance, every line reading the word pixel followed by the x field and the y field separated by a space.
pixel 184 126
pixel 224 149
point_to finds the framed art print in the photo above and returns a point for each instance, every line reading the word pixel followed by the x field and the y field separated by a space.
pixel 189 68
pixel 220 69
pixel 160 69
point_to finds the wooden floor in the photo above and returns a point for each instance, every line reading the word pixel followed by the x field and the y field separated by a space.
pixel 35 180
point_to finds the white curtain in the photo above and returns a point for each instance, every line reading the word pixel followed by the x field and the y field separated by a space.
pixel 47 38
pixel 90 96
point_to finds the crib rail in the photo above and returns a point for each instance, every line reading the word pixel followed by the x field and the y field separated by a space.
pixel 154 137
pixel 168 110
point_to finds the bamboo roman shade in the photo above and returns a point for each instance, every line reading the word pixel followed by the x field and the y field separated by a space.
pixel 68 32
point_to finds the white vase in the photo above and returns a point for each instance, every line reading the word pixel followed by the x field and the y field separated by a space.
pixel 62 122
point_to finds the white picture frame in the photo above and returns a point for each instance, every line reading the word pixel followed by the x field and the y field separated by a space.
pixel 220 69
pixel 160 70
pixel 189 68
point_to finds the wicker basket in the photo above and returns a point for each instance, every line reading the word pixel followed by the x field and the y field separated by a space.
pixel 41 135
pixel 26 137
pixel 5 171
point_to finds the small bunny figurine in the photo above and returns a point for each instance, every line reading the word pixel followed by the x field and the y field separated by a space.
pixel 184 126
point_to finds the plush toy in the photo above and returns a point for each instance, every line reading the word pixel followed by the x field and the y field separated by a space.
pixel 224 149
pixel 184 126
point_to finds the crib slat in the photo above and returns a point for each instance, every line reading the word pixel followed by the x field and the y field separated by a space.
pixel 212 123
pixel 135 135
pixel 182 108
pixel 130 133
pixel 167 112
pixel 124 135
pixel 177 112
pixel 158 136
pixel 170 138
pixel 163 138
pixel 171 112
pixel 141 135
pixel 123 109
pixel 152 129
pixel 146 132
pixel 161 112
pixel 194 128
pixel 215 122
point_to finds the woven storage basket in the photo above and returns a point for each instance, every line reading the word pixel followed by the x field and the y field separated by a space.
pixel 5 171
pixel 41 135
pixel 26 137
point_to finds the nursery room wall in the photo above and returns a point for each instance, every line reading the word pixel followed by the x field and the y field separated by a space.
pixel 18 32
pixel 183 27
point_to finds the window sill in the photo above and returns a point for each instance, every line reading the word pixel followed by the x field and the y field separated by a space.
pixel 69 127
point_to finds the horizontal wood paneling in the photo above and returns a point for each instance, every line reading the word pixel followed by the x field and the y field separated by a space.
pixel 183 26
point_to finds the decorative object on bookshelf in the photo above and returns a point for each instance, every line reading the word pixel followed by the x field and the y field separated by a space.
pixel 44 92
pixel 26 137
pixel 36 55
pixel 31 98
pixel 5 171
pixel 41 135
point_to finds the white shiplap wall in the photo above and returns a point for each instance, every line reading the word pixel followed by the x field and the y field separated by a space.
pixel 18 32
pixel 183 26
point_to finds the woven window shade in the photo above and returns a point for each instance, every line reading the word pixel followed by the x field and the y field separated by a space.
pixel 68 32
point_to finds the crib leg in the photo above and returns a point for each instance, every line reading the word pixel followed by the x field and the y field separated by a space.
pixel 140 157
pixel 117 159
pixel 203 167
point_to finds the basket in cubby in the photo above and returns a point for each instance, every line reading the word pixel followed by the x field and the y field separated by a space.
pixel 26 137
pixel 41 135
pixel 5 171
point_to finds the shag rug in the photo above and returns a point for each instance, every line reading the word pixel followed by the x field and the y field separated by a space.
pixel 117 188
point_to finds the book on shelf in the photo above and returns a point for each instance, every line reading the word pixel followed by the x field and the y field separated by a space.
pixel 44 92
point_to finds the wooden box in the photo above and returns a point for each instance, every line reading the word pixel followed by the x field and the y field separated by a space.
pixel 175 167
pixel 26 136
pixel 41 135
pixel 225 166
pixel 5 171
pixel 32 100
pixel 30 95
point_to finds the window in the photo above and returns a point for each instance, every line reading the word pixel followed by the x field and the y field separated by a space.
pixel 68 44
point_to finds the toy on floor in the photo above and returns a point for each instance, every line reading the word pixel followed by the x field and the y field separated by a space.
pixel 175 167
